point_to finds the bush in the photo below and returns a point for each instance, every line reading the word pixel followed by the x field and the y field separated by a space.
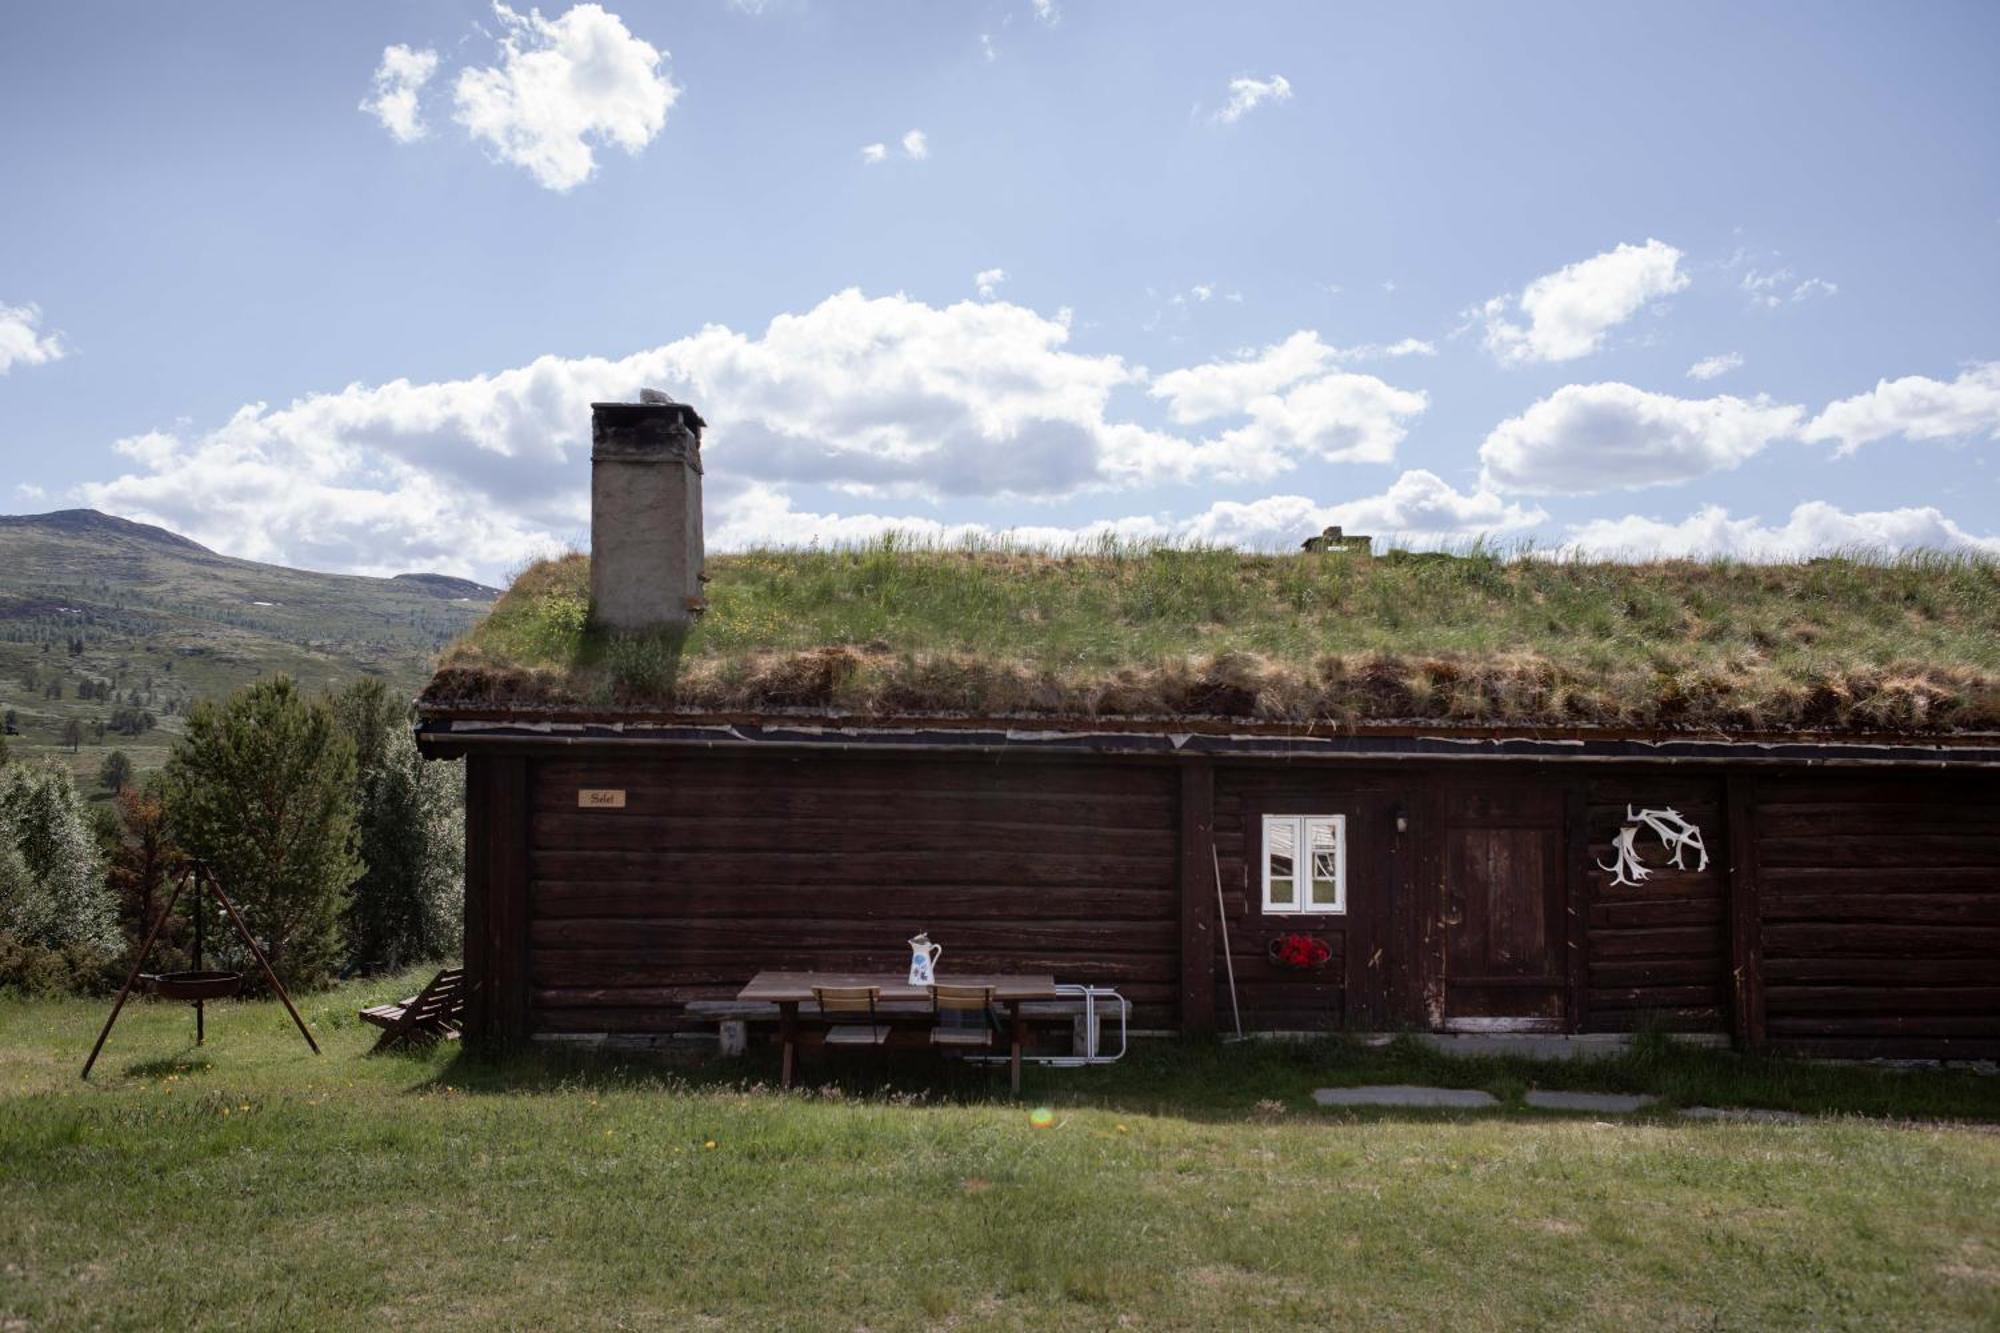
pixel 262 789
pixel 408 904
pixel 57 899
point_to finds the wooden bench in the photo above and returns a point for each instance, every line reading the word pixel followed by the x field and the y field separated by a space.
pixel 436 1013
pixel 735 1018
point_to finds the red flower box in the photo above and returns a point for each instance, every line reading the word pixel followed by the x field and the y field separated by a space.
pixel 1302 953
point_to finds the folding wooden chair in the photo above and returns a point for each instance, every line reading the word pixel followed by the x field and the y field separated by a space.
pixel 436 1013
pixel 957 1003
pixel 851 1017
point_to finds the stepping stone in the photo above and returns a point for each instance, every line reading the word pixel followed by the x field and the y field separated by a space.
pixel 1741 1113
pixel 1403 1094
pixel 1612 1103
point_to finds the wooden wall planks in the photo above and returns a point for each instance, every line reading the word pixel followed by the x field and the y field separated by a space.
pixel 1879 914
pixel 1839 915
pixel 718 867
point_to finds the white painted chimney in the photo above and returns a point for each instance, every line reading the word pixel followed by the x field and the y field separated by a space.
pixel 645 513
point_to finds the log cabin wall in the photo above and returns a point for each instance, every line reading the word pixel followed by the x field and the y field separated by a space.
pixel 1878 904
pixel 1360 985
pixel 1840 914
pixel 718 866
pixel 1658 952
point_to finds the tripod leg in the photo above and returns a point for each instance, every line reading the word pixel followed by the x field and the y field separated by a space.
pixel 258 954
pixel 137 963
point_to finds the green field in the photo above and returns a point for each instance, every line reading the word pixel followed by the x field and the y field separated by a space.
pixel 250 1185
pixel 1855 643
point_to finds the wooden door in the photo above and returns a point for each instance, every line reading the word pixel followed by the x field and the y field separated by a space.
pixel 1505 941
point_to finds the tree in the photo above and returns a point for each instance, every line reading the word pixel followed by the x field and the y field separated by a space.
pixel 66 902
pixel 262 789
pixel 115 772
pixel 72 734
pixel 408 904
pixel 139 868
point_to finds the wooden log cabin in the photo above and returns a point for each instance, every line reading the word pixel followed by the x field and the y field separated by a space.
pixel 634 845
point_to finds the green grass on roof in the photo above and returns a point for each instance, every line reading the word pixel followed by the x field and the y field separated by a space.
pixel 1909 643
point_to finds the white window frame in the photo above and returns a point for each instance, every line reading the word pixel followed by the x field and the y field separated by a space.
pixel 1302 827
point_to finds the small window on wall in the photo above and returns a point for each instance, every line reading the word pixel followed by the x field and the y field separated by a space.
pixel 1305 863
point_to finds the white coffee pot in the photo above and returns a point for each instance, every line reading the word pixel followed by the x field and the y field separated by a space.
pixel 923 960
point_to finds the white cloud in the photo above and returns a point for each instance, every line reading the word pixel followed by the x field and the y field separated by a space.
pixel 1585 438
pixel 398 79
pixel 916 146
pixel 987 50
pixel 1046 11
pixel 21 341
pixel 1419 509
pixel 885 397
pixel 563 85
pixel 28 493
pixel 874 153
pixel 1814 528
pixel 1915 408
pixel 1775 287
pixel 987 281
pixel 1570 311
pixel 1227 388
pixel 1714 367
pixel 1297 406
pixel 1246 94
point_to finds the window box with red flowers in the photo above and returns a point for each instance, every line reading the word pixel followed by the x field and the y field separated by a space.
pixel 1300 953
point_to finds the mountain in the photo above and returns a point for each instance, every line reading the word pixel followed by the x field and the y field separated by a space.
pixel 105 621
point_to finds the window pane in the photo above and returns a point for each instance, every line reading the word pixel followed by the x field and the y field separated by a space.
pixel 1323 842
pixel 1281 846
pixel 1281 868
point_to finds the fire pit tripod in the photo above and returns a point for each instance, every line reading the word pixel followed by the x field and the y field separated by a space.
pixel 195 986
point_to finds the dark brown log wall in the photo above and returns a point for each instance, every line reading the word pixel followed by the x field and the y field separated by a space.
pixel 1657 952
pixel 1879 910
pixel 1839 914
pixel 1354 988
pixel 720 866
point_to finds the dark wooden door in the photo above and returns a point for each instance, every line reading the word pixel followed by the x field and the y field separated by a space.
pixel 1504 933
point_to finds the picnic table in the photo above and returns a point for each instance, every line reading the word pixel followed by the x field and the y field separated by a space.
pixel 788 990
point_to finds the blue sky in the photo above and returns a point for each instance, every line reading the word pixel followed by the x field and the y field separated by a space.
pixel 1434 270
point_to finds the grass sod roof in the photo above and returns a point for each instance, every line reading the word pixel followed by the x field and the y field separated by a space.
pixel 1907 644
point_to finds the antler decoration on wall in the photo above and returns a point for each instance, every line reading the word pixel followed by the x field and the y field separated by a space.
pixel 1675 834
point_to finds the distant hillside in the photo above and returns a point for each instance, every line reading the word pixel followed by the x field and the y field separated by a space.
pixel 107 621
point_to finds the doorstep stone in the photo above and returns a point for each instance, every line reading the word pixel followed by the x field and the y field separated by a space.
pixel 1403 1094
pixel 1610 1103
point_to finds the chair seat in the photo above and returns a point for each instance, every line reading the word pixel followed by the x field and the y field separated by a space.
pixel 857 1034
pixel 961 1037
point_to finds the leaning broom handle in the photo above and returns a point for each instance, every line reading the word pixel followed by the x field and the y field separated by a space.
pixel 1222 915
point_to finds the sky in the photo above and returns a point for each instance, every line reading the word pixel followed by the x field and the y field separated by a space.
pixel 334 285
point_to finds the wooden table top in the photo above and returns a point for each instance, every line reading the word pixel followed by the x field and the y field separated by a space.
pixel 781 987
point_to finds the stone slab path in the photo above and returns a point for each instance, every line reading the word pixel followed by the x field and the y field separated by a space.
pixel 1403 1094
pixel 1609 1103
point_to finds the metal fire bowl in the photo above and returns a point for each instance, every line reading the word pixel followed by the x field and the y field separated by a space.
pixel 197 985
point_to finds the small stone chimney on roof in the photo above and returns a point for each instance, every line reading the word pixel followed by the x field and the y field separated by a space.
pixel 645 513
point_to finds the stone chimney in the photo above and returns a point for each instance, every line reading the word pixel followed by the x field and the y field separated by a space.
pixel 645 513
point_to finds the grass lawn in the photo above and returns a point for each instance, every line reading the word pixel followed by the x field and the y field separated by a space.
pixel 251 1185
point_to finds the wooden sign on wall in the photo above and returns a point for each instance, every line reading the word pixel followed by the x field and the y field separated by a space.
pixel 600 798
